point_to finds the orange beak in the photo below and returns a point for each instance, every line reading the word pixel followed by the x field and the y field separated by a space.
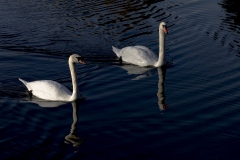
pixel 165 29
pixel 81 61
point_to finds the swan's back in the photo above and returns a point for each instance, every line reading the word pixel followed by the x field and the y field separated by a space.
pixel 138 55
pixel 49 90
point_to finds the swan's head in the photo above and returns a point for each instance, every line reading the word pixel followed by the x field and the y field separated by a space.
pixel 163 26
pixel 75 58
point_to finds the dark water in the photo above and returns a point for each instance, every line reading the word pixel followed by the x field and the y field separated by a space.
pixel 124 114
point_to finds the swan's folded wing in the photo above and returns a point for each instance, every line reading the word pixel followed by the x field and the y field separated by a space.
pixel 49 90
pixel 139 55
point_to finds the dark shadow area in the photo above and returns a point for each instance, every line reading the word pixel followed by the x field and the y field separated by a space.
pixel 232 12
pixel 232 21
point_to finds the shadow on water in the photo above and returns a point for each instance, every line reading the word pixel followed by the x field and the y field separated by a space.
pixel 233 13
pixel 231 22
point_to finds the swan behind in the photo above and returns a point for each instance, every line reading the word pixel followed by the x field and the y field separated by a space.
pixel 138 55
pixel 54 91
pixel 143 56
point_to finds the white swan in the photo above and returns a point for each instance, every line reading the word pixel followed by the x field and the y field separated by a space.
pixel 54 91
pixel 141 55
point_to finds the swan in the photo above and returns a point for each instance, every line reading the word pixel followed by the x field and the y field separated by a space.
pixel 54 91
pixel 141 55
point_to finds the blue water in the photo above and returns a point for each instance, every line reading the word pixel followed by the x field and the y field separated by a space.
pixel 189 110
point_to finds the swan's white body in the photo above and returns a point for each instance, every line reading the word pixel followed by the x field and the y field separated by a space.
pixel 141 55
pixel 54 91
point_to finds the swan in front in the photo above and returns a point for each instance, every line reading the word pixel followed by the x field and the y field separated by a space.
pixel 54 91
pixel 143 56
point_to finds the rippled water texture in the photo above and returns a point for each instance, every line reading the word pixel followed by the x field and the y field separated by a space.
pixel 189 110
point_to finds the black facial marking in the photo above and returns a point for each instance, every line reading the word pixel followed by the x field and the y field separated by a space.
pixel 80 58
pixel 165 26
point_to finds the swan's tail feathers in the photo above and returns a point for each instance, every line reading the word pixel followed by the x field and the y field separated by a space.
pixel 24 82
pixel 116 51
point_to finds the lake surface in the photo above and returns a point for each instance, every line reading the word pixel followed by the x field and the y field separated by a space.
pixel 188 110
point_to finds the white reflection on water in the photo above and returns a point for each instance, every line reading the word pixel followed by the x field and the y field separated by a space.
pixel 48 104
pixel 141 72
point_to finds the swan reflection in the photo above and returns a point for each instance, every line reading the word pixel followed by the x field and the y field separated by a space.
pixel 72 138
pixel 47 104
pixel 143 72
pixel 160 94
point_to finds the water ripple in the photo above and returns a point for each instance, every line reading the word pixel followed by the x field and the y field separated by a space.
pixel 86 23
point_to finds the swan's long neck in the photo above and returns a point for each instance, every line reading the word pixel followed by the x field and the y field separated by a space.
pixel 160 61
pixel 75 93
